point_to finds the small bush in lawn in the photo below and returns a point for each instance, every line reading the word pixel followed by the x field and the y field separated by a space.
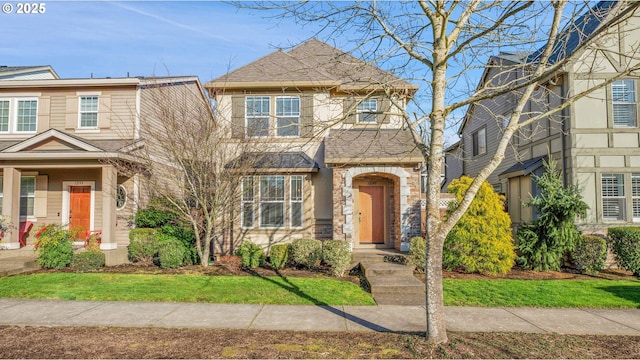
pixel 142 245
pixel 170 253
pixel 252 254
pixel 54 245
pixel 418 252
pixel 337 254
pixel 306 252
pixel 88 260
pixel 625 245
pixel 590 254
pixel 278 256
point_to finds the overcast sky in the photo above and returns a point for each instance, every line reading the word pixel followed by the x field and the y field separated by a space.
pixel 104 38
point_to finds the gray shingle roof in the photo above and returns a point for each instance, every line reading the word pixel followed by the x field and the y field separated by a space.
pixel 371 146
pixel 527 166
pixel 277 160
pixel 576 32
pixel 313 61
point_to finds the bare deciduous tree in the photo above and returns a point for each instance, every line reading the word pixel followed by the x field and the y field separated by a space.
pixel 190 162
pixel 443 45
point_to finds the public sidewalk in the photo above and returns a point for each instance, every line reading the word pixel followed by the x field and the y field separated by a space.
pixel 315 318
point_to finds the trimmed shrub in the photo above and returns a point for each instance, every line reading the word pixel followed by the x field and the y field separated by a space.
pixel 306 252
pixel 170 253
pixel 625 245
pixel 278 256
pixel 142 245
pixel 337 254
pixel 156 215
pixel 54 245
pixel 544 243
pixel 252 254
pixel 590 254
pixel 481 242
pixel 188 239
pixel 418 252
pixel 88 260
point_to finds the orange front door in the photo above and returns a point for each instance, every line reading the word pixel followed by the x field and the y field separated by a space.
pixel 80 209
pixel 371 214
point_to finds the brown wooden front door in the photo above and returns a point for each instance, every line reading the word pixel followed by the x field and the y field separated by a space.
pixel 80 209
pixel 371 214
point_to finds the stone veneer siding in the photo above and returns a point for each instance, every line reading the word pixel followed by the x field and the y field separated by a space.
pixel 405 200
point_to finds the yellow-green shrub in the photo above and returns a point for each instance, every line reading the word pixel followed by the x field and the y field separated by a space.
pixel 481 242
pixel 418 252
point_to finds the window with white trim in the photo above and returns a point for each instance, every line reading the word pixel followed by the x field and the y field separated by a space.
pixel 287 116
pixel 88 113
pixel 27 196
pixel 295 201
pixel 27 115
pixel 635 195
pixel 4 115
pixel 613 198
pixel 257 112
pixel 479 142
pixel 247 202
pixel 121 197
pixel 367 111
pixel 623 94
pixel 18 115
pixel 272 201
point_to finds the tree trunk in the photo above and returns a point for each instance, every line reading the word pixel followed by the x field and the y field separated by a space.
pixel 436 327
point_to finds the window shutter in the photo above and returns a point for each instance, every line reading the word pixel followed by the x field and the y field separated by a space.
pixel 72 113
pixel 306 114
pixel 237 116
pixel 104 111
pixel 44 113
pixel 40 201
pixel 385 110
pixel 349 111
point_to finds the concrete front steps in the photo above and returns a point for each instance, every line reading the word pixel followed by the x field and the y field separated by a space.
pixel 390 283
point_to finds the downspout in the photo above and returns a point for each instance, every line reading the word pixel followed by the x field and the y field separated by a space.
pixel 565 113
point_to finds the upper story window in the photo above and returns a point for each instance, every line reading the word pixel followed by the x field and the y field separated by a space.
pixel 367 111
pixel 88 117
pixel 624 103
pixel 288 116
pixel 479 140
pixel 257 112
pixel 19 115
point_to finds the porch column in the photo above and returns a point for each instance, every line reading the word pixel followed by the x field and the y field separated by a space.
pixel 11 206
pixel 108 208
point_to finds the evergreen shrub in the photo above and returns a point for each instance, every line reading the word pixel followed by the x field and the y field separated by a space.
pixel 481 242
pixel 54 246
pixel 306 252
pixel 88 260
pixel 142 245
pixel 418 252
pixel 278 256
pixel 252 254
pixel 336 254
pixel 170 252
pixel 625 245
pixel 590 254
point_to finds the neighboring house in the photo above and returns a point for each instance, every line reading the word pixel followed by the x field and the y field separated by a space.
pixel 596 141
pixel 61 141
pixel 342 165
pixel 452 164
pixel 27 72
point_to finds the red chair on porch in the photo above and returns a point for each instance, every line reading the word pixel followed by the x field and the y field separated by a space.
pixel 90 233
pixel 23 234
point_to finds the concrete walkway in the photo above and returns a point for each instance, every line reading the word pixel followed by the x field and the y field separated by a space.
pixel 314 318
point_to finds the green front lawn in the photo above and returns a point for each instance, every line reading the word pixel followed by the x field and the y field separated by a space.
pixel 543 293
pixel 184 288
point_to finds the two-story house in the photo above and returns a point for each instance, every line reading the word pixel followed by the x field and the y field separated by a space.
pixel 341 164
pixel 62 142
pixel 595 140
